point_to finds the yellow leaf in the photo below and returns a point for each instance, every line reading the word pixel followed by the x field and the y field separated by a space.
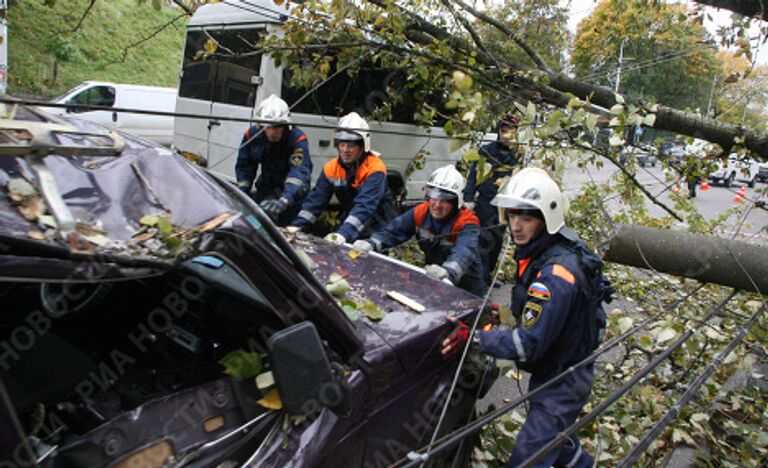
pixel 210 46
pixel 271 400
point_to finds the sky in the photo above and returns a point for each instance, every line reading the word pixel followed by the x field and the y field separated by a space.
pixel 581 8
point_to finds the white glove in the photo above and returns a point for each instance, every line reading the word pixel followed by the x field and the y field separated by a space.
pixel 470 205
pixel 364 247
pixel 335 238
pixel 436 272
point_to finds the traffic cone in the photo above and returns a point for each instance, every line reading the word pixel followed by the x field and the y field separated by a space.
pixel 741 194
pixel 704 185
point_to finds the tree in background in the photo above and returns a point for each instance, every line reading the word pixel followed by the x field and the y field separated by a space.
pixel 541 23
pixel 742 97
pixel 667 58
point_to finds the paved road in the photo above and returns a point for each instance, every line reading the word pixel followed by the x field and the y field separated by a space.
pixel 711 203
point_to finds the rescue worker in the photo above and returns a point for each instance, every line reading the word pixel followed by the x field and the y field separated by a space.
pixel 447 232
pixel 556 300
pixel 282 152
pixel 503 157
pixel 358 178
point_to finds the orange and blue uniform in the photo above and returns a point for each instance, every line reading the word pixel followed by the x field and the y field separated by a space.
pixel 286 167
pixel 360 187
pixel 451 242
pixel 557 303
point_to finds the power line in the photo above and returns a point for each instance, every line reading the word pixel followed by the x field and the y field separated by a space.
pixel 672 414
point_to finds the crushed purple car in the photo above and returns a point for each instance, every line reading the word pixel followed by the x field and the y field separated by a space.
pixel 152 315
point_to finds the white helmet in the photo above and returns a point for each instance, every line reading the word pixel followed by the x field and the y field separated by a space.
pixel 275 110
pixel 353 128
pixel 444 181
pixel 533 189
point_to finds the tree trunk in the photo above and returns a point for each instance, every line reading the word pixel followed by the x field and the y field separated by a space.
pixel 708 259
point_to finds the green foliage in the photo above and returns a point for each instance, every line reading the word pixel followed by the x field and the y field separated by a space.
pixel 41 33
pixel 242 364
pixel 666 54
pixel 541 23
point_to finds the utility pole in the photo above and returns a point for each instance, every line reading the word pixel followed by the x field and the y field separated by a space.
pixel 711 95
pixel 618 70
pixel 3 46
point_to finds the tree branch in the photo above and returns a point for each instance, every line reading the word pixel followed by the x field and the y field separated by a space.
pixel 184 7
pixel 145 39
pixel 503 28
pixel 753 8
pixel 475 37
pixel 82 18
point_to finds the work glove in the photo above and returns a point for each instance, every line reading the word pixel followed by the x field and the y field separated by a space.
pixel 436 272
pixel 364 247
pixel 273 206
pixel 456 341
pixel 335 238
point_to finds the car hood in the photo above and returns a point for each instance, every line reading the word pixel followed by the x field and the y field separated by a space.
pixel 371 278
pixel 117 202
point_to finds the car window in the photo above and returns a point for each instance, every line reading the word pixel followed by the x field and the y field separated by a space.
pixel 95 96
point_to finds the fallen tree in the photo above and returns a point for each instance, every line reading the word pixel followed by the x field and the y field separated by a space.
pixel 708 259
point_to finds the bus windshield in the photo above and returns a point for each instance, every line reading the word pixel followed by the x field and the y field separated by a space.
pixel 230 75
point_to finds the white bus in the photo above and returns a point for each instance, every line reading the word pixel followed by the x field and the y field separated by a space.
pixel 236 78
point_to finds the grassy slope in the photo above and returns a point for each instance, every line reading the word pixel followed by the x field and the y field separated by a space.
pixel 109 28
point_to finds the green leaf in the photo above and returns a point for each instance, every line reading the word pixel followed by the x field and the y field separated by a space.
pixel 471 155
pixel 164 225
pixel 665 335
pixel 617 109
pixel 242 364
pixel 624 323
pixel 619 98
pixel 649 120
pixel 591 122
pixel 149 220
pixel 615 140
pixel 337 285
pixel 372 311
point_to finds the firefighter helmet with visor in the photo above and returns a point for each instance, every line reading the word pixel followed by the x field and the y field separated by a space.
pixel 533 189
pixel 353 128
pixel 445 183
pixel 275 111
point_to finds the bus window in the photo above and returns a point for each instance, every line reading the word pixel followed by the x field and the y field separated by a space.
pixel 231 75
pixel 365 93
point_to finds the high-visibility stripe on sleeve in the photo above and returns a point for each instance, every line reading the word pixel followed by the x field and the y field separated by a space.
pixel 455 267
pixel 304 214
pixel 354 221
pixel 518 345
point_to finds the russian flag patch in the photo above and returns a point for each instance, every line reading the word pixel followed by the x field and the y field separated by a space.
pixel 539 291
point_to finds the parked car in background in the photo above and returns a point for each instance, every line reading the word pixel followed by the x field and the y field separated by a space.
pixel 157 128
pixel 762 172
pixel 131 279
pixel 736 168
pixel 673 150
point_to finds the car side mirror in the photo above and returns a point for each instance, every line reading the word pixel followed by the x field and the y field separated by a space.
pixel 305 379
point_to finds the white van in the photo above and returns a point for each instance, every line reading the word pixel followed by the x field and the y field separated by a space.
pixel 229 84
pixel 158 128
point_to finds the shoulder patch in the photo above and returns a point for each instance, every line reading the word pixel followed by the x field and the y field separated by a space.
pixel 297 158
pixel 539 291
pixel 531 314
pixel 562 272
